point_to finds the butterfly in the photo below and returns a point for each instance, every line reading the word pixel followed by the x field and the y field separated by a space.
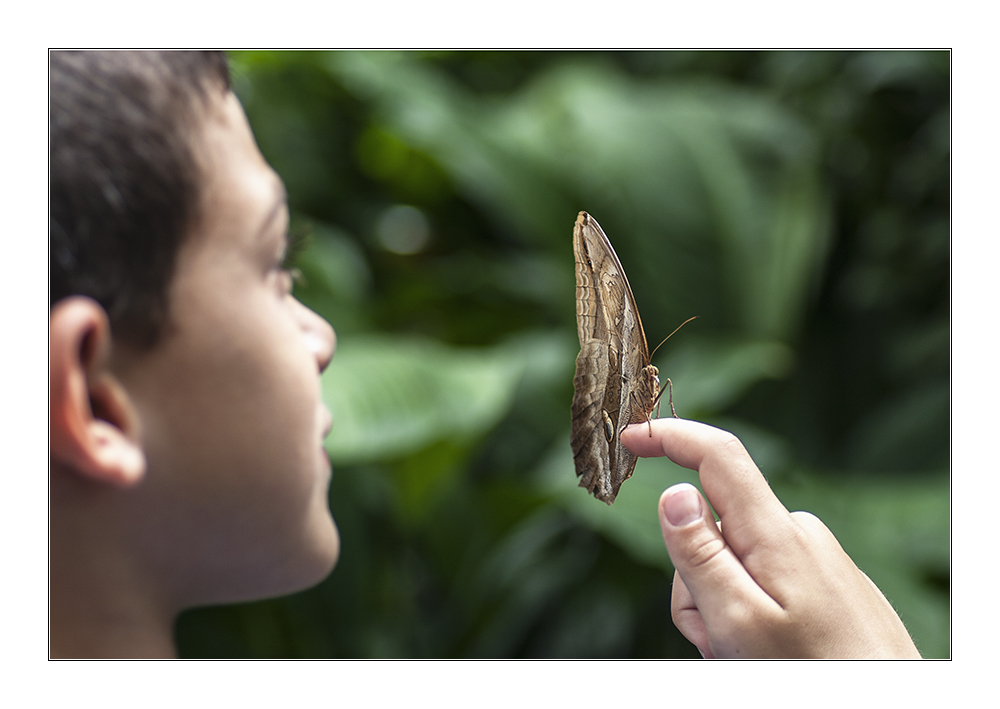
pixel 615 385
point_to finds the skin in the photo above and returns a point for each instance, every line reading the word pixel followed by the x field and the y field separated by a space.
pixel 193 473
pixel 762 582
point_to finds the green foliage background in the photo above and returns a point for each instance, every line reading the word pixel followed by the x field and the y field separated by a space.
pixel 798 202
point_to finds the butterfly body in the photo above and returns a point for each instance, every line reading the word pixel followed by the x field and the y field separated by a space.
pixel 615 385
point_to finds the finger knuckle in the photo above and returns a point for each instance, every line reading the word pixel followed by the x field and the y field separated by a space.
pixel 704 550
pixel 810 529
pixel 807 519
pixel 729 447
pixel 738 618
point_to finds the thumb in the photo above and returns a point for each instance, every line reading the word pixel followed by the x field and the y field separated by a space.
pixel 711 571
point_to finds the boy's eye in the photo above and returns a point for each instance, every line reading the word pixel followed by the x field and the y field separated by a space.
pixel 295 242
pixel 285 279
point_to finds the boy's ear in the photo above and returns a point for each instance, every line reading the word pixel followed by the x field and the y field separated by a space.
pixel 93 427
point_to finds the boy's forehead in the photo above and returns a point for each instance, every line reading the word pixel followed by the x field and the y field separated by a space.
pixel 239 179
pixel 225 126
pixel 242 220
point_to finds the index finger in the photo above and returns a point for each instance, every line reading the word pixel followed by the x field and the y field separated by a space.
pixel 731 481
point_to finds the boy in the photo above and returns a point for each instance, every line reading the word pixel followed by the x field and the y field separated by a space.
pixel 186 418
pixel 186 421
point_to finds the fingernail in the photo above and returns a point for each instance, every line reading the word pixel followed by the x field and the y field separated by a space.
pixel 683 506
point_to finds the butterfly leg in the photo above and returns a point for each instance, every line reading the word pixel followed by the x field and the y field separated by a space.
pixel 670 398
pixel 656 403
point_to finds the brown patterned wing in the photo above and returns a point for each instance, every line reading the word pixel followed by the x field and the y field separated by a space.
pixel 614 383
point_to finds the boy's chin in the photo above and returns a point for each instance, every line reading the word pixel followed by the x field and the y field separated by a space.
pixel 311 563
pixel 330 556
pixel 323 554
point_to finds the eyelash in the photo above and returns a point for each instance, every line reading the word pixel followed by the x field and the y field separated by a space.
pixel 297 240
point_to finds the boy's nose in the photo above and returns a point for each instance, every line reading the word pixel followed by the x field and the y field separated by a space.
pixel 320 338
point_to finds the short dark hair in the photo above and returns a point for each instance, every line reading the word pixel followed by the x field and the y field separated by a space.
pixel 124 178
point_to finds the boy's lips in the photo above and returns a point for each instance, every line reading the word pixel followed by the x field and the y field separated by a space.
pixel 327 423
pixel 327 420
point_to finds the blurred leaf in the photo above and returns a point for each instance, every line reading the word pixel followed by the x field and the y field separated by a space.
pixel 393 396
pixel 773 454
pixel 790 264
pixel 338 264
pixel 710 374
pixel 632 522
pixel 336 279
pixel 522 577
pixel 910 432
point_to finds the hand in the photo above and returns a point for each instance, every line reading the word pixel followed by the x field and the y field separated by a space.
pixel 763 581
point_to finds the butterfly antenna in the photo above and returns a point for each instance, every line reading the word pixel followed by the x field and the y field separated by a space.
pixel 671 335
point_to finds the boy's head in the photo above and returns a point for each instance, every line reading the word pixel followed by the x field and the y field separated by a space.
pixel 186 418
pixel 124 176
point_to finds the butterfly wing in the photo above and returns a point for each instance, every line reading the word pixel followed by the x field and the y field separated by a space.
pixel 613 357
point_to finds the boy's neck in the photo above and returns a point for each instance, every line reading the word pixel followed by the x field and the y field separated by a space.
pixel 84 634
pixel 101 618
pixel 101 604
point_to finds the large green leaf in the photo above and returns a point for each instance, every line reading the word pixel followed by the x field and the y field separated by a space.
pixel 710 374
pixel 392 396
